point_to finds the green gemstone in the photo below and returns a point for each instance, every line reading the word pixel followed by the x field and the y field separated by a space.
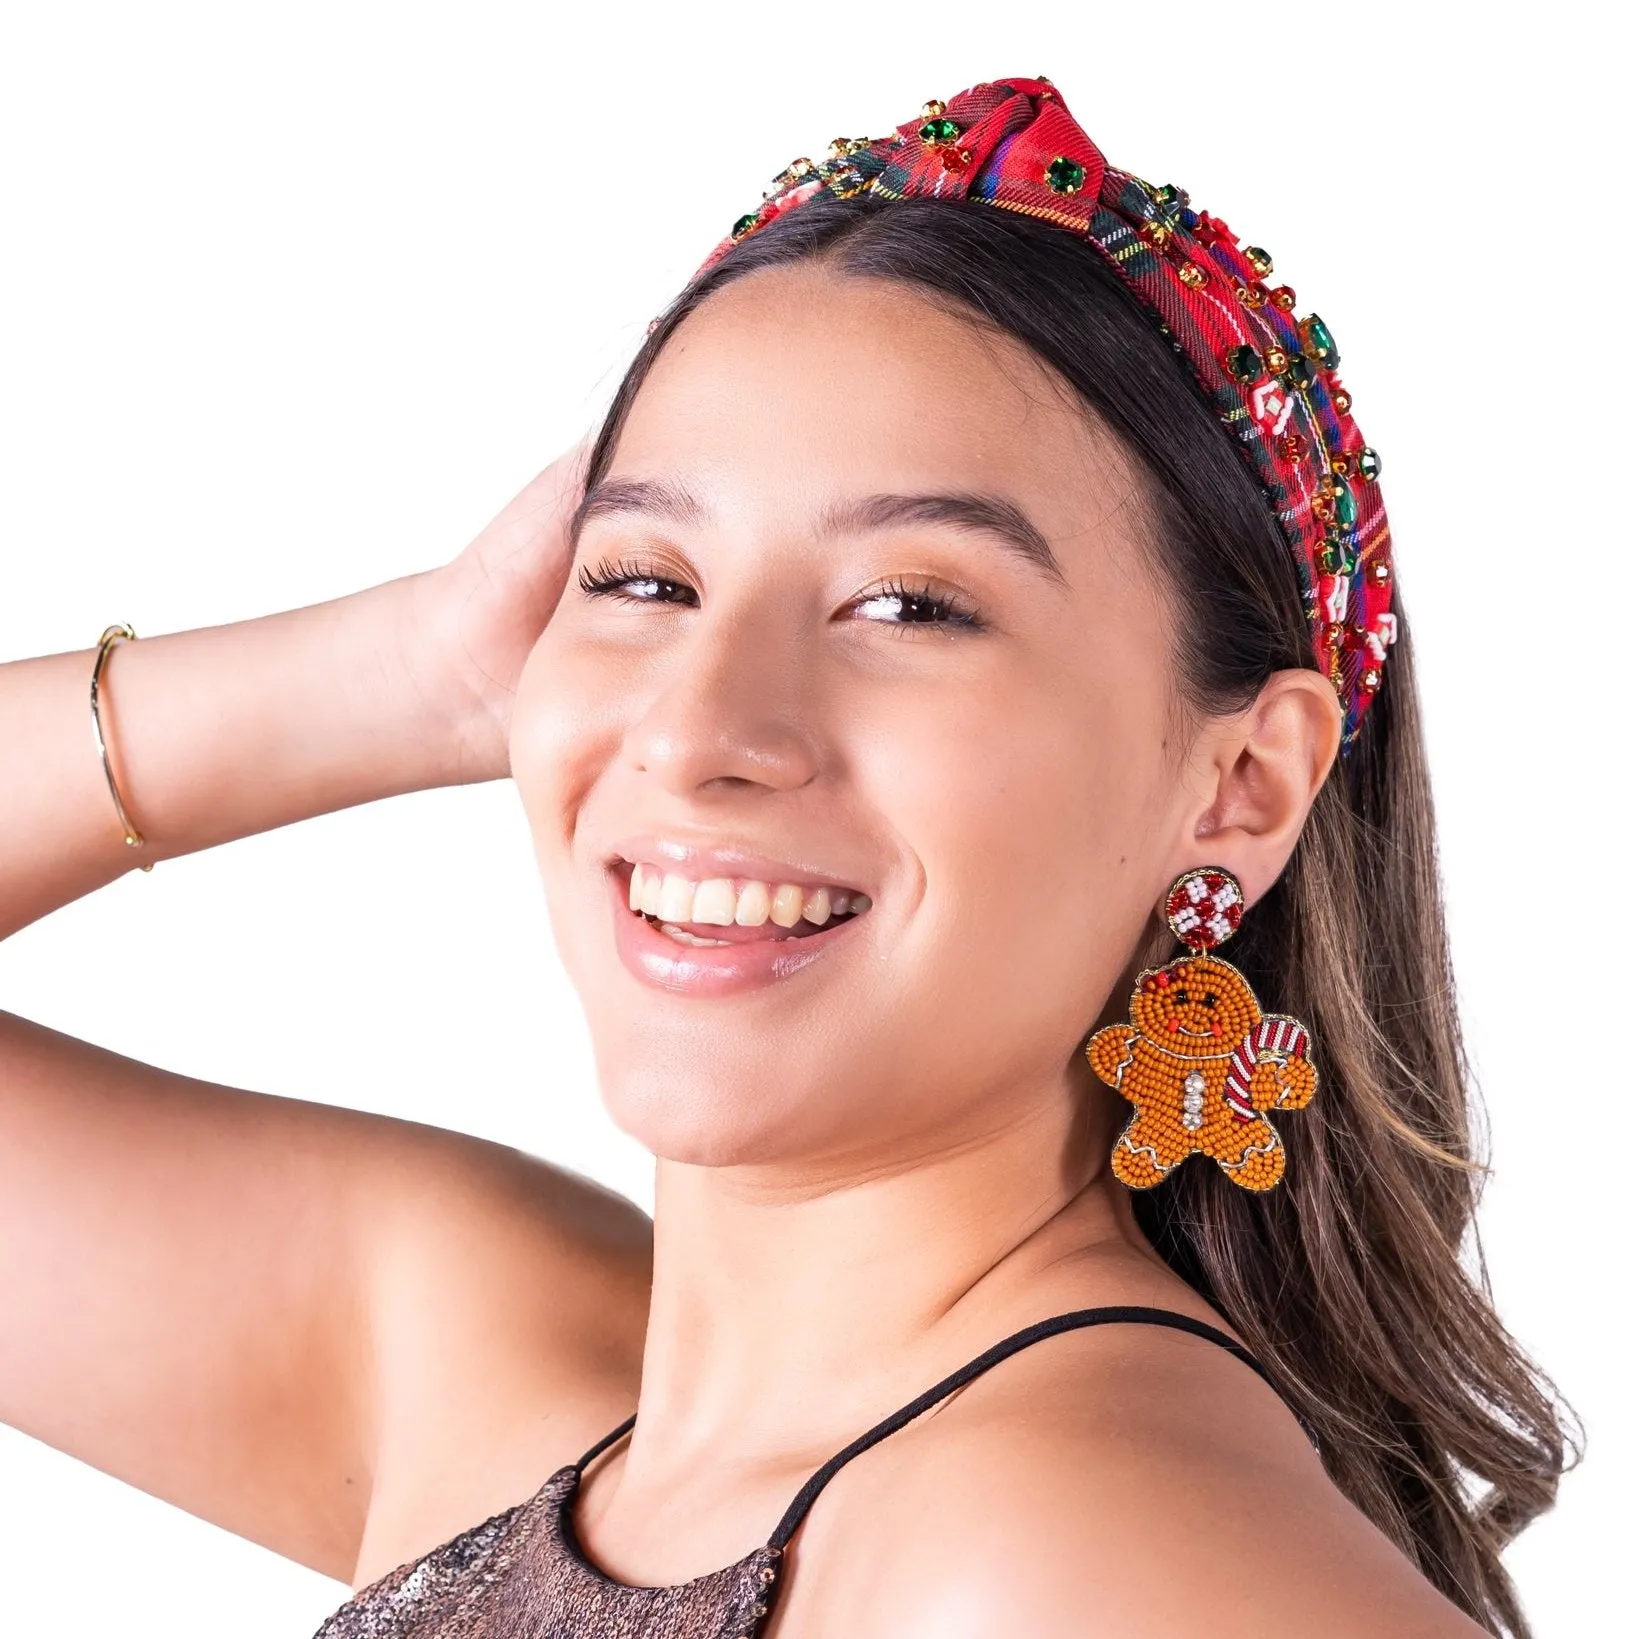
pixel 1370 463
pixel 1300 372
pixel 1065 175
pixel 938 131
pixel 743 225
pixel 1346 512
pixel 1244 363
pixel 1318 343
pixel 1337 556
pixel 1166 194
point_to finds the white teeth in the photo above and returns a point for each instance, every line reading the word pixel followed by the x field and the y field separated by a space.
pixel 751 910
pixel 676 900
pixel 651 892
pixel 684 937
pixel 714 902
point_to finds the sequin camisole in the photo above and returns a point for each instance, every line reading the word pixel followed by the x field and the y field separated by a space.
pixel 524 1575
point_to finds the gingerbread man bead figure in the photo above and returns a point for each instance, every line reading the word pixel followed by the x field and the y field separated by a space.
pixel 1200 1061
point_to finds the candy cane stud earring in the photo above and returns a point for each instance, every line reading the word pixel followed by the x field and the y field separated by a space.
pixel 1200 1061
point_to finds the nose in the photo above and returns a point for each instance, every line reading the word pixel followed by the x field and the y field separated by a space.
pixel 734 711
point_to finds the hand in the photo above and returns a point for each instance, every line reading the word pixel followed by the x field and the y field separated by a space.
pixel 480 615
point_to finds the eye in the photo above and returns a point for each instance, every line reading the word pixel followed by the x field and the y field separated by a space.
pixel 1180 998
pixel 898 604
pixel 629 582
pixel 1209 1000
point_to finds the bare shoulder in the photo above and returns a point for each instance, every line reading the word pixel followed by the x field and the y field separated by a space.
pixel 1140 1484
pixel 508 1301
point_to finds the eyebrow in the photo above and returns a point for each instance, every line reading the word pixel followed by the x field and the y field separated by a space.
pixel 977 514
pixel 617 497
pixel 990 515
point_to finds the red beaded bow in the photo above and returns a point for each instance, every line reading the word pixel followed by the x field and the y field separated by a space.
pixel 1271 378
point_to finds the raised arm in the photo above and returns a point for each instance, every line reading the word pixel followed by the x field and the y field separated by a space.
pixel 240 1302
pixel 223 732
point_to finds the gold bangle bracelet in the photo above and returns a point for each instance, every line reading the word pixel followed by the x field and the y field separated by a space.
pixel 114 634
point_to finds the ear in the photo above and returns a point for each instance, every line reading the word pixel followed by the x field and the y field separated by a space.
pixel 1257 773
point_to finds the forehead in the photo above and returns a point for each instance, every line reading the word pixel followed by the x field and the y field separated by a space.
pixel 798 386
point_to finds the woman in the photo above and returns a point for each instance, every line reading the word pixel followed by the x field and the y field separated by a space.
pixel 929 636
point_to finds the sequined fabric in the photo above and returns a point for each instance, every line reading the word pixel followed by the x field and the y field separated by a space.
pixel 523 1575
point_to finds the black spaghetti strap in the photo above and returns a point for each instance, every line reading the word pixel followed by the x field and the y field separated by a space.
pixel 607 1441
pixel 804 1499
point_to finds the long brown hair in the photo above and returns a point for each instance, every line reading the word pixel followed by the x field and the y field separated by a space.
pixel 1356 1282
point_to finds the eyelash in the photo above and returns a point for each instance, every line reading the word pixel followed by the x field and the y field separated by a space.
pixel 609 577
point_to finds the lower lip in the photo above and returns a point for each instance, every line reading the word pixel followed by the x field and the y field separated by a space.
pixel 655 958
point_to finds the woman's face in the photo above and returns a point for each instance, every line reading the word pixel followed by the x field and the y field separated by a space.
pixel 815 466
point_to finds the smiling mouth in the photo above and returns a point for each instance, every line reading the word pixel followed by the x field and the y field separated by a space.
pixel 721 911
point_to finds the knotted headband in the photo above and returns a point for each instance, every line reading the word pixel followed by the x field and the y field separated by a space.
pixel 1271 378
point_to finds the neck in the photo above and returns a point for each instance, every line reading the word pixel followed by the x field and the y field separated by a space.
pixel 792 1313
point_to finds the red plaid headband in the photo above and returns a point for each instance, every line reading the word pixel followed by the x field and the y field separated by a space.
pixel 1271 378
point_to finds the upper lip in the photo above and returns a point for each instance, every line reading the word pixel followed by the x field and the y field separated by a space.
pixel 700 860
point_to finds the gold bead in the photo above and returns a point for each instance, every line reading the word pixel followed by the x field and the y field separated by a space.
pixel 1371 679
pixel 1248 297
pixel 1380 573
pixel 1260 261
pixel 1340 465
pixel 1191 276
pixel 933 109
pixel 1341 401
pixel 1277 358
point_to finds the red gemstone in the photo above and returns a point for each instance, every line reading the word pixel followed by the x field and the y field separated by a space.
pixel 1294 446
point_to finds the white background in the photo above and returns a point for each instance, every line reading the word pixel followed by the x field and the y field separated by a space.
pixel 292 298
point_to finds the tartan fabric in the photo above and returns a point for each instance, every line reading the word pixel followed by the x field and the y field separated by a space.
pixel 1005 143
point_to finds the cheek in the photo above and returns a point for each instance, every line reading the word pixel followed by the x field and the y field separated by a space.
pixel 1034 808
pixel 566 725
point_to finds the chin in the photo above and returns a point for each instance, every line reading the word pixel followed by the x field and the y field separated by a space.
pixel 717 1119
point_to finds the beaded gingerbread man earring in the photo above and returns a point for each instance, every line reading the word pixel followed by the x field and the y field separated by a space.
pixel 1200 1061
